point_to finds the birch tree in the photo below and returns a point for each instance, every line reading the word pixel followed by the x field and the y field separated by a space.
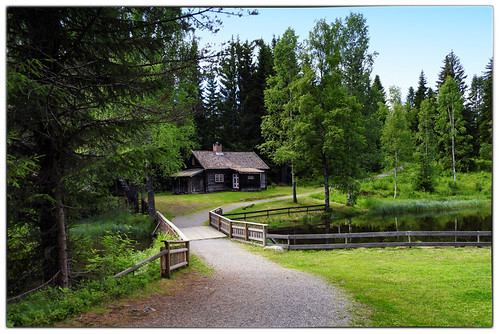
pixel 450 123
pixel 396 137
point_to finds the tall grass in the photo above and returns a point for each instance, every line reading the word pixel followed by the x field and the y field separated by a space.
pixel 51 305
pixel 384 207
pixel 135 226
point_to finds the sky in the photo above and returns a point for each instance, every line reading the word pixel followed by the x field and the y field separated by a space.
pixel 408 39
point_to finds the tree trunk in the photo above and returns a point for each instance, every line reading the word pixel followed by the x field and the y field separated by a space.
pixel 151 204
pixel 293 184
pixel 396 168
pixel 62 244
pixel 453 151
pixel 326 184
pixel 349 198
pixel 131 194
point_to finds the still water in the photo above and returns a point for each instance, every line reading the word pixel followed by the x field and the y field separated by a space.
pixel 455 220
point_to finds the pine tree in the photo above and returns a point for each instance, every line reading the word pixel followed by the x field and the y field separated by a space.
pixel 452 68
pixel 83 83
pixel 421 92
pixel 485 117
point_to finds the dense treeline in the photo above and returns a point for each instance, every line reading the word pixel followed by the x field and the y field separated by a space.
pixel 96 95
pixel 322 114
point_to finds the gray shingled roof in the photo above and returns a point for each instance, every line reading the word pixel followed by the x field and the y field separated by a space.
pixel 248 162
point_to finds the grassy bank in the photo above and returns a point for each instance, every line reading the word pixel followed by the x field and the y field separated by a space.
pixel 52 305
pixel 177 205
pixel 406 287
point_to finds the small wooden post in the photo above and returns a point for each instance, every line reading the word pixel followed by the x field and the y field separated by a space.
pixel 246 232
pixel 167 259
pixel 264 236
pixel 187 254
pixel 230 229
pixel 162 262
pixel 219 223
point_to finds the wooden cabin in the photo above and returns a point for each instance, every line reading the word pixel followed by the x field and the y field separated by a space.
pixel 210 171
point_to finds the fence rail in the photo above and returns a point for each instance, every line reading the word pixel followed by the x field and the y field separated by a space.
pixel 165 225
pixel 176 256
pixel 242 230
pixel 410 243
pixel 273 212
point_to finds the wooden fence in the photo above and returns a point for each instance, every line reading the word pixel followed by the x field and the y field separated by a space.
pixel 273 212
pixel 165 225
pixel 176 256
pixel 173 256
pixel 291 238
pixel 242 230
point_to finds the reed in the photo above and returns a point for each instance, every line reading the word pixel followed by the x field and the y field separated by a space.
pixel 387 207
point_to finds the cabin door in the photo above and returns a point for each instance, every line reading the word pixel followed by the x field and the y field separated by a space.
pixel 235 181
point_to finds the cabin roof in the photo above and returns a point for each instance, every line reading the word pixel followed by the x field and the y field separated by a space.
pixel 243 162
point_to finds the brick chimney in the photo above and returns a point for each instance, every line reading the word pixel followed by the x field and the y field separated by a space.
pixel 217 148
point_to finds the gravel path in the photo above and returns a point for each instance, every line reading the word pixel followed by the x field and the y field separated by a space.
pixel 247 290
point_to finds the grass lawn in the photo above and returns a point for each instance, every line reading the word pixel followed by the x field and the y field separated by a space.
pixel 406 287
pixel 177 205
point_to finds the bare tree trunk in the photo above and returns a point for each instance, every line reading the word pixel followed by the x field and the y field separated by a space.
pixel 293 184
pixel 151 204
pixel 326 184
pixel 62 242
pixel 396 168
pixel 453 151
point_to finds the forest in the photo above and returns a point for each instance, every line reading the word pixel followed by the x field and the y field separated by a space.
pixel 116 97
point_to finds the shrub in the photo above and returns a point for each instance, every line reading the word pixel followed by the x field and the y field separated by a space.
pixel 51 305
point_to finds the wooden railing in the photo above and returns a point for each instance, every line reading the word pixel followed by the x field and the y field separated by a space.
pixel 165 225
pixel 176 256
pixel 173 256
pixel 242 230
pixel 408 234
pixel 273 212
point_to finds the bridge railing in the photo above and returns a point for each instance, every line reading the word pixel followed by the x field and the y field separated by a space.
pixel 237 229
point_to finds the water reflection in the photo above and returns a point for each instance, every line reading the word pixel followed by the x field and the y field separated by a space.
pixel 456 220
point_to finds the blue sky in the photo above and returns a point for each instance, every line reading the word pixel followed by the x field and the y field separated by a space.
pixel 408 38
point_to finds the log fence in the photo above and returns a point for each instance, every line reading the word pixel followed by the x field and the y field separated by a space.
pixel 273 212
pixel 291 239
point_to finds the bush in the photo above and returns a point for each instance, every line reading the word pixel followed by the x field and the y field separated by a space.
pixel 51 305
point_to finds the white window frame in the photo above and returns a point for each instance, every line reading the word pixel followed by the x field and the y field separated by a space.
pixel 219 178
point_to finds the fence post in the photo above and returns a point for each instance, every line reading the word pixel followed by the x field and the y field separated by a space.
pixel 219 223
pixel 265 236
pixel 230 229
pixel 162 262
pixel 167 259
pixel 187 254
pixel 246 232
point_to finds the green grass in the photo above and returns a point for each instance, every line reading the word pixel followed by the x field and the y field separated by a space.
pixel 177 205
pixel 52 305
pixel 406 287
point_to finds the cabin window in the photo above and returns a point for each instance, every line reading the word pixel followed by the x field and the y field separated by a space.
pixel 219 178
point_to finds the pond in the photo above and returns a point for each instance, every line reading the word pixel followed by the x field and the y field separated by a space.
pixel 455 220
